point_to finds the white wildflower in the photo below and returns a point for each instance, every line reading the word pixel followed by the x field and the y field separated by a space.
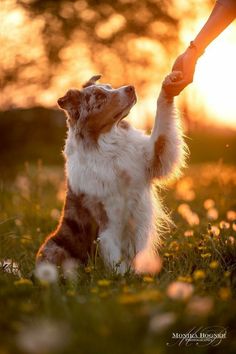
pixel 147 262
pixel 212 214
pixel 55 214
pixel 43 337
pixel 178 290
pixel 46 272
pixel 209 203
pixel 159 323
pixel 200 306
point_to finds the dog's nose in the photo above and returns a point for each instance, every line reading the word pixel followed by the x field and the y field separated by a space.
pixel 129 89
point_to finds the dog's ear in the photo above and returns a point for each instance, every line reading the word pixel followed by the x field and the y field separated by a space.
pixel 92 80
pixel 71 100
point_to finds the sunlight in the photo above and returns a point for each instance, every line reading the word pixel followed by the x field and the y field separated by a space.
pixel 210 98
pixel 212 94
pixel 216 77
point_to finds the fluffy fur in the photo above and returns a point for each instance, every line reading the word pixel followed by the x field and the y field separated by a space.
pixel 110 170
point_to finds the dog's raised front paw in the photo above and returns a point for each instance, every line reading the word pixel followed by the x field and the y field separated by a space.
pixel 172 77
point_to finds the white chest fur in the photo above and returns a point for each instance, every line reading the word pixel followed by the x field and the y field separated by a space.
pixel 115 174
pixel 110 169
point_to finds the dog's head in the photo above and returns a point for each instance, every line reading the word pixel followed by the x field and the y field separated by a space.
pixel 97 107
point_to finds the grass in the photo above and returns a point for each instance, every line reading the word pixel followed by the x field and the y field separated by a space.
pixel 102 312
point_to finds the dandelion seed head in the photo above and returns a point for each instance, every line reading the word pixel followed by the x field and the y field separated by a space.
pixel 46 272
pixel 231 240
pixel 55 214
pixel 180 290
pixel 200 306
pixel 215 230
pixel 18 222
pixel 23 185
pixel 188 233
pixel 224 225
pixel 212 214
pixel 231 215
pixel 183 209
pixel 208 204
pixel 43 336
pixel 159 323
pixel 191 217
pixel 147 262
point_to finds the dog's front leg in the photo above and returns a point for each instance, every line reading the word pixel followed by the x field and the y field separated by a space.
pixel 110 246
pixel 167 149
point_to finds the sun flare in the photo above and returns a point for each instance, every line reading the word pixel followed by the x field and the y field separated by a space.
pixel 215 80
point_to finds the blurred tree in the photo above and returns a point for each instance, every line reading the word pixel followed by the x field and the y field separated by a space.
pixel 105 22
pixel 124 40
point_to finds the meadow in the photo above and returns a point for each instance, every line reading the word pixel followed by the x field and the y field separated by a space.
pixel 91 310
pixel 48 47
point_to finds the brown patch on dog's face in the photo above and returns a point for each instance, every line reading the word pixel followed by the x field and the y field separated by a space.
pixel 71 102
pixel 105 107
pixel 101 107
pixel 96 108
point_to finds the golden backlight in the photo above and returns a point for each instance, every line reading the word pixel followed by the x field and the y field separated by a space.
pixel 212 96
pixel 215 79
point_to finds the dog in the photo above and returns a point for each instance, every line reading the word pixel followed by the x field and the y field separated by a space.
pixel 111 173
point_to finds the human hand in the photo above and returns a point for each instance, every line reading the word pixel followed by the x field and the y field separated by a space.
pixel 185 63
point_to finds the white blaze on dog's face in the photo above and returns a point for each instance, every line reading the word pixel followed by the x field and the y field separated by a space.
pixel 97 107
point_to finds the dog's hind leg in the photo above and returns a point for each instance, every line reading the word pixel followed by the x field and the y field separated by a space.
pixel 52 253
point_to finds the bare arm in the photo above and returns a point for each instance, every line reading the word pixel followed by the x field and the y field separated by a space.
pixel 221 17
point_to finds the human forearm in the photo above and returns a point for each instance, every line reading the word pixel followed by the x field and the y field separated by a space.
pixel 219 19
pixel 222 15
